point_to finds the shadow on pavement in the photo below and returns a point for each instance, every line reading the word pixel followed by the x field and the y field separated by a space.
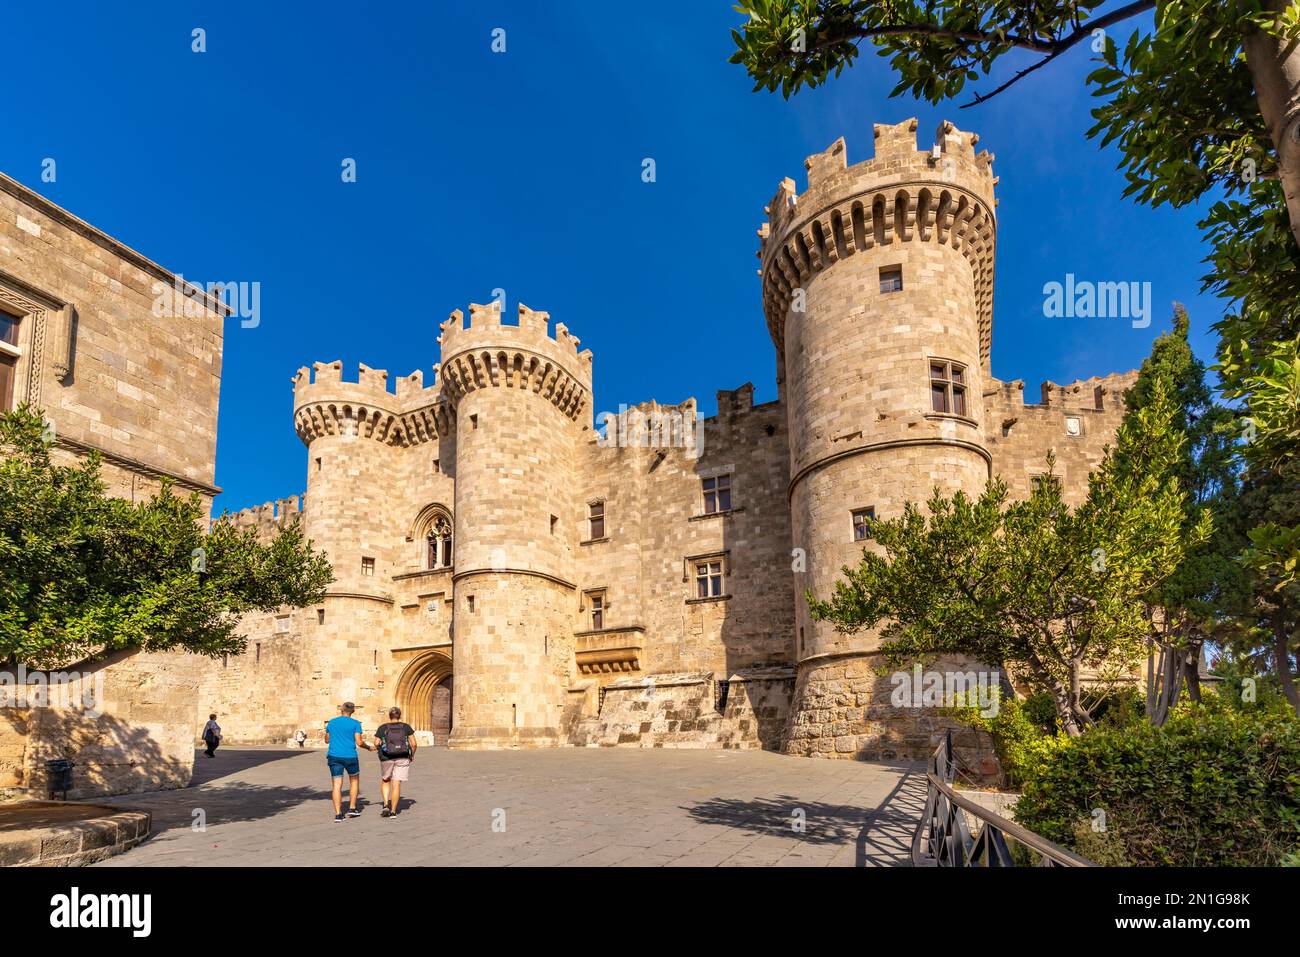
pixel 234 760
pixel 881 834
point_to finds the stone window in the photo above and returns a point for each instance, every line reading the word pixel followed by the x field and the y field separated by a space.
pixel 368 567
pixel 862 519
pixel 947 387
pixel 438 542
pixel 891 278
pixel 9 356
pixel 596 608
pixel 717 494
pixel 595 521
pixel 708 578
pixel 281 624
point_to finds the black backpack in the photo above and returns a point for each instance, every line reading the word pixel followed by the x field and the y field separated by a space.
pixel 396 743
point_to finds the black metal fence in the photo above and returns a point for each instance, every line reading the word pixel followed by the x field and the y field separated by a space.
pixel 944 839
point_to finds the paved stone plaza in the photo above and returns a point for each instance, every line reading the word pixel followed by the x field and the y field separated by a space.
pixel 589 807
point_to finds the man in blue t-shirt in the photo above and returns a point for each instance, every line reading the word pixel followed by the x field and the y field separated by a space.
pixel 343 734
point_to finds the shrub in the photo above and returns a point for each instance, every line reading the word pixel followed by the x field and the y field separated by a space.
pixel 1019 739
pixel 1212 787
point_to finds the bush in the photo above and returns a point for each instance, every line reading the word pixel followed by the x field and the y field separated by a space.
pixel 1019 738
pixel 1213 787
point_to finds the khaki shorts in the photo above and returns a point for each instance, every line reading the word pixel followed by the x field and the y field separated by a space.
pixel 398 769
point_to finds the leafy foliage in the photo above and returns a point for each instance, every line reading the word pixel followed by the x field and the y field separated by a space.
pixel 83 573
pixel 1234 777
pixel 1050 590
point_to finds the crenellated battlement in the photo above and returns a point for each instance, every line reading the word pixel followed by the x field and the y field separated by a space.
pixel 267 518
pixel 942 195
pixel 325 404
pixel 486 352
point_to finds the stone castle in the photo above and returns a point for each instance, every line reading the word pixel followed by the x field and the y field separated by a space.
pixel 514 570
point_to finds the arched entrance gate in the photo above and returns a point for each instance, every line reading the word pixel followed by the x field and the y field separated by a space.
pixel 424 695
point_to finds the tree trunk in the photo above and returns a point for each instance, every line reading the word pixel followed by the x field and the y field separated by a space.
pixel 1275 68
pixel 1282 659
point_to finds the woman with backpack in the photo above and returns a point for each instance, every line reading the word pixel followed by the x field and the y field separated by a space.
pixel 395 740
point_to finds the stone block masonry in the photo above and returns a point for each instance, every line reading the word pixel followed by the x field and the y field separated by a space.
pixel 514 574
pixel 565 579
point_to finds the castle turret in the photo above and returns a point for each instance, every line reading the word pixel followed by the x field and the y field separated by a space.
pixel 877 287
pixel 356 434
pixel 522 405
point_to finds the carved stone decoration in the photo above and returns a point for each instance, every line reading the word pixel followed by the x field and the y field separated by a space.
pixel 62 344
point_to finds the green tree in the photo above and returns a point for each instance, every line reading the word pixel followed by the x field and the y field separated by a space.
pixel 1196 602
pixel 1202 105
pixel 1049 591
pixel 83 573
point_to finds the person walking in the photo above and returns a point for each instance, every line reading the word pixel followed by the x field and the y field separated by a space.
pixel 211 736
pixel 344 735
pixel 395 741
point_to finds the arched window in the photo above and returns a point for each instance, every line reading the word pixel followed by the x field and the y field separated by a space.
pixel 439 543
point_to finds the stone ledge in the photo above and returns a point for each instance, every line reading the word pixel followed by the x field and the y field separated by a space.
pixel 59 834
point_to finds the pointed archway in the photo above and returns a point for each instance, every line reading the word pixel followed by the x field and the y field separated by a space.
pixel 424 694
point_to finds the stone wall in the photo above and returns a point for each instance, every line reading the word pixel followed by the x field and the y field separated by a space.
pixel 126 722
pixel 686 711
pixel 109 369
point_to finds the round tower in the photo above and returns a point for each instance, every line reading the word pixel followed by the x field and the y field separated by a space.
pixel 877 288
pixel 354 437
pixel 522 402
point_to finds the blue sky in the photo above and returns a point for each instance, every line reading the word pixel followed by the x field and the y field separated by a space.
pixel 522 171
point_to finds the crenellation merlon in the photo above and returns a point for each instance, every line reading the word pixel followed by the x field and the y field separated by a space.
pixel 324 381
pixel 486 333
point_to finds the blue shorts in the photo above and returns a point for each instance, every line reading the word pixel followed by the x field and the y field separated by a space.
pixel 338 765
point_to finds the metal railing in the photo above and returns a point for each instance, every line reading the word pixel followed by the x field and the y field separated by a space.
pixel 943 838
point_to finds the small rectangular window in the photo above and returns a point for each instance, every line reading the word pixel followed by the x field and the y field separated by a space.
pixel 281 624
pixel 891 279
pixel 368 567
pixel 437 466
pixel 947 387
pixel 717 494
pixel 708 579
pixel 469 602
pixel 473 421
pixel 318 465
pixel 596 602
pixel 554 521
pixel 320 616
pixel 596 520
pixel 862 519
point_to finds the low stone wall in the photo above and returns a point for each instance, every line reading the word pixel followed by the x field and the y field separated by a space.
pixel 682 711
pixel 58 834
pixel 845 709
pixel 126 723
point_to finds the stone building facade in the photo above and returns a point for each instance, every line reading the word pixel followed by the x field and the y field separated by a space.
pixel 83 342
pixel 516 571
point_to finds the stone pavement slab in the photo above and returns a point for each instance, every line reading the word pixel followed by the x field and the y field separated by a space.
pixel 570 806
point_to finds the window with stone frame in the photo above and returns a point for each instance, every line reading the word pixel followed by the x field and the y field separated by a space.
pixel 438 543
pixel 891 278
pixel 862 520
pixel 596 607
pixel 368 567
pixel 595 521
pixel 9 356
pixel 717 494
pixel 947 387
pixel 708 577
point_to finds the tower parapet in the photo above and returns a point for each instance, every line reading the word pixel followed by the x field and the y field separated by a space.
pixel 324 404
pixel 941 196
pixel 488 353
